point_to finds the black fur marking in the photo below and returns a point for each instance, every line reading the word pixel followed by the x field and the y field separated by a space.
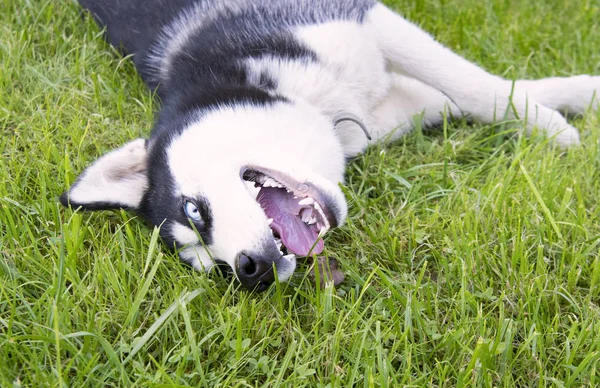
pixel 91 206
pixel 132 25
pixel 188 107
pixel 240 30
pixel 159 204
pixel 266 81
pixel 66 201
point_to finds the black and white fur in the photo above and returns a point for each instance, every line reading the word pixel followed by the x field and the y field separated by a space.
pixel 250 90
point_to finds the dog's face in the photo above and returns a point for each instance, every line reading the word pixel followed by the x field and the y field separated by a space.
pixel 252 187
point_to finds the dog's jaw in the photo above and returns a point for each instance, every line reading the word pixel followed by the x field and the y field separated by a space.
pixel 290 142
pixel 300 211
pixel 325 201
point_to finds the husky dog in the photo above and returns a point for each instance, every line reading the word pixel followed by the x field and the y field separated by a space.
pixel 264 101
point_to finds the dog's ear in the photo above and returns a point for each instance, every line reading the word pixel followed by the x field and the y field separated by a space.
pixel 117 180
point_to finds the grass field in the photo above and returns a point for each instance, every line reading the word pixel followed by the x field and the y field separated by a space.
pixel 471 255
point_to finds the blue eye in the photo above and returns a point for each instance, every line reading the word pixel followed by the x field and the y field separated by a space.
pixel 192 211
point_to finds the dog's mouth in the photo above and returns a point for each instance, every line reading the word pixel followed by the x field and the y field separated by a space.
pixel 298 213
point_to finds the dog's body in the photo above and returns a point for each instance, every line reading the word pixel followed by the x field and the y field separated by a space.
pixel 267 93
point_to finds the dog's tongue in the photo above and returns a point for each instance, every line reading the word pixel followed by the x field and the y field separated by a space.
pixel 297 236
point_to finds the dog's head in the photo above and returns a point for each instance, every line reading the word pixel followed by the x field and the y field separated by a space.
pixel 252 186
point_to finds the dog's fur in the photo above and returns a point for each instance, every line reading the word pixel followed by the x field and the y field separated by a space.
pixel 257 89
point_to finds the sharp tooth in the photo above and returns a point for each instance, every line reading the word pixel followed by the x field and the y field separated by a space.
pixel 269 221
pixel 312 220
pixel 289 257
pixel 281 252
pixel 306 216
pixel 306 201
pixel 323 227
pixel 269 182
pixel 322 214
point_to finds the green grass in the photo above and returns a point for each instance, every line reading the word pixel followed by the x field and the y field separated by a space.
pixel 471 255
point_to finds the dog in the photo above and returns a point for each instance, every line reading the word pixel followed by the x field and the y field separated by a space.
pixel 262 104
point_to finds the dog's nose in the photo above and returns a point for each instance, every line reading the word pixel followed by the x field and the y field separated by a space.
pixel 254 273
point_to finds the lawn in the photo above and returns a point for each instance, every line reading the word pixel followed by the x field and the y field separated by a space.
pixel 470 254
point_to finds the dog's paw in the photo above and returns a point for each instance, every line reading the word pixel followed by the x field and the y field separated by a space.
pixel 582 93
pixel 570 95
pixel 554 125
pixel 568 137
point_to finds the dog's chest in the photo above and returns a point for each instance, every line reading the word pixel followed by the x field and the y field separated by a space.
pixel 349 74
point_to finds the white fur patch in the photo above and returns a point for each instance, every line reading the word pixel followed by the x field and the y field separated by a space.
pixel 118 177
pixel 571 95
pixel 284 274
pixel 197 257
pixel 183 234
pixel 252 189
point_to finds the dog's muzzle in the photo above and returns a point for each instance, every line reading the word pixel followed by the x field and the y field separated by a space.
pixel 257 273
pixel 254 274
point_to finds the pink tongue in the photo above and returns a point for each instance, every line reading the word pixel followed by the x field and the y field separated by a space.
pixel 281 206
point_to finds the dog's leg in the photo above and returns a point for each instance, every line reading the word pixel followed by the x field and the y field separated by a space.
pixel 569 95
pixel 479 94
pixel 408 100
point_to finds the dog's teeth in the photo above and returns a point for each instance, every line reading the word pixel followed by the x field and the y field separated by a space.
pixel 289 257
pixel 269 182
pixel 306 201
pixel 269 221
pixel 306 216
pixel 322 215
pixel 312 220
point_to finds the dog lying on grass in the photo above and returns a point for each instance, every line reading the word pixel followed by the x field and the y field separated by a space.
pixel 264 101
